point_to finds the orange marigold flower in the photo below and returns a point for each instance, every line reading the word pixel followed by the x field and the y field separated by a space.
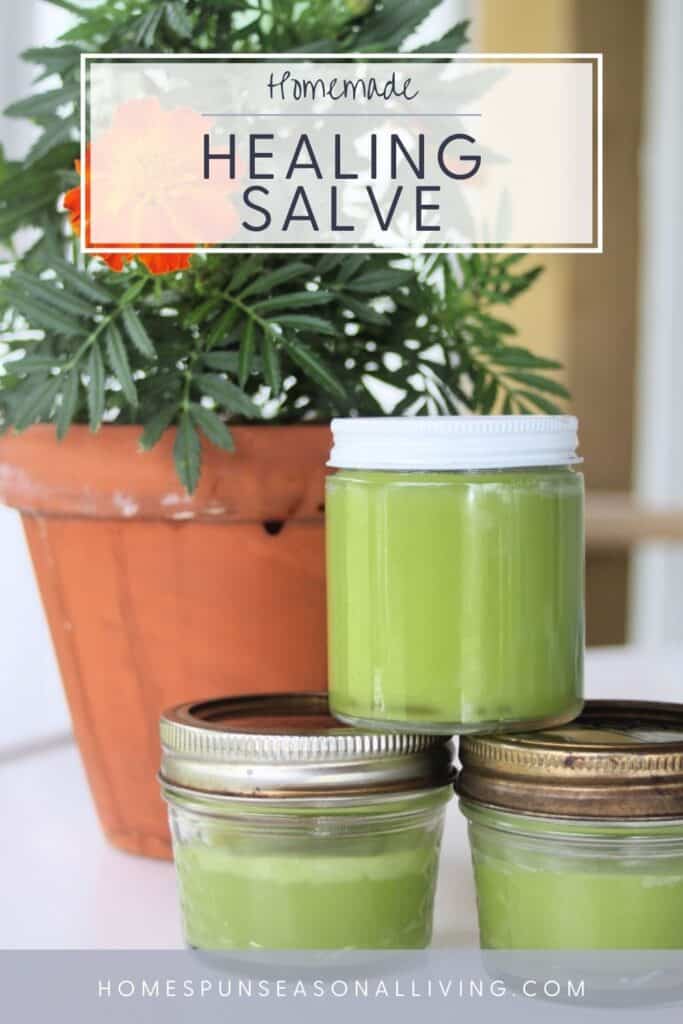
pixel 140 183
pixel 156 263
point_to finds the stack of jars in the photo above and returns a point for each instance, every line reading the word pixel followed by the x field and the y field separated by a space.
pixel 455 607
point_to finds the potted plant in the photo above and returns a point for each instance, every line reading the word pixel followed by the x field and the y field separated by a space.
pixel 164 419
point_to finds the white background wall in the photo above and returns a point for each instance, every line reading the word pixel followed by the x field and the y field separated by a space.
pixel 30 689
pixel 657 585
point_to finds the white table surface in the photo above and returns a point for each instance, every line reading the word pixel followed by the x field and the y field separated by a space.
pixel 63 887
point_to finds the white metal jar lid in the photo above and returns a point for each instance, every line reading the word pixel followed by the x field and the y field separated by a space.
pixel 288 745
pixel 454 442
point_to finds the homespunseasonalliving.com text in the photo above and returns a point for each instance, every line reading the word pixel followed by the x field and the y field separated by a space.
pixel 339 988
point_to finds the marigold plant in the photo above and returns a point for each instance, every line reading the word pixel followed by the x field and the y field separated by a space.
pixel 205 341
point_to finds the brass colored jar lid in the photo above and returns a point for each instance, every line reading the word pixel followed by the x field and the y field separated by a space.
pixel 289 745
pixel 618 759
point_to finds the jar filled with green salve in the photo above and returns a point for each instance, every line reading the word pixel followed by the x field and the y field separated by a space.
pixel 455 566
pixel 577 833
pixel 294 831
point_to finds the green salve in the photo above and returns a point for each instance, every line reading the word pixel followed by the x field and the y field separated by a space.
pixel 307 893
pixel 612 889
pixel 455 599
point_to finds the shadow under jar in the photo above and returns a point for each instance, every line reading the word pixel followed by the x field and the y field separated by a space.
pixel 293 831
pixel 455 569
pixel 577 833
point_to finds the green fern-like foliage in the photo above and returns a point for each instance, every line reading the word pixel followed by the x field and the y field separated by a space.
pixel 237 339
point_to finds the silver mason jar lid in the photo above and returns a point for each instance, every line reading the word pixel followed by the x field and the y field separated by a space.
pixel 288 745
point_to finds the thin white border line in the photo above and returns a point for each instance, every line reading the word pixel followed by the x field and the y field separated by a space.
pixel 398 57
pixel 408 251
pixel 84 73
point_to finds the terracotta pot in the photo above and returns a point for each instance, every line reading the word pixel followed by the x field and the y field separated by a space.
pixel 154 597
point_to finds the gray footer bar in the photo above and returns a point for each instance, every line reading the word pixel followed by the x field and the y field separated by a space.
pixel 254 987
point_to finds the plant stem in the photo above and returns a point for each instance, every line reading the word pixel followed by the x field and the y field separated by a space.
pixel 129 297
pixel 248 311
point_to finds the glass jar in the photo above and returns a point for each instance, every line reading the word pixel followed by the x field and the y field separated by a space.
pixel 577 833
pixel 293 831
pixel 455 567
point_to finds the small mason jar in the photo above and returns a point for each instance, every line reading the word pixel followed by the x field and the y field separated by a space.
pixel 455 568
pixel 577 833
pixel 293 831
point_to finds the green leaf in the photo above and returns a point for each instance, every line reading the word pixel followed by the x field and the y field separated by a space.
pixel 91 30
pixel 41 315
pixel 350 267
pixel 33 364
pixel 18 215
pixel 135 329
pixel 294 300
pixel 303 322
pixel 377 282
pixel 451 42
pixel 495 325
pixel 147 26
pixel 200 312
pixel 187 453
pixel 118 360
pixel 225 362
pixel 157 425
pixel 43 104
pixel 67 407
pixel 96 387
pixel 364 312
pixel 246 354
pixel 47 293
pixel 82 282
pixel 314 366
pixel 267 282
pixel 131 293
pixel 330 262
pixel 220 329
pixel 229 395
pixel 56 134
pixel 488 396
pixel 68 5
pixel 178 21
pixel 391 25
pixel 58 158
pixel 55 59
pixel 245 269
pixel 213 427
pixel 544 404
pixel 514 356
pixel 271 364
pixel 511 287
pixel 538 383
pixel 37 404
pixel 7 382
pixel 37 189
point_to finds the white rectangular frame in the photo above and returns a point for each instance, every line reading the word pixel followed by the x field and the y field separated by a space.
pixel 598 174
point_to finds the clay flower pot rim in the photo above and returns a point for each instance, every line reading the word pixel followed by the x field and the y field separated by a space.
pixel 275 473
